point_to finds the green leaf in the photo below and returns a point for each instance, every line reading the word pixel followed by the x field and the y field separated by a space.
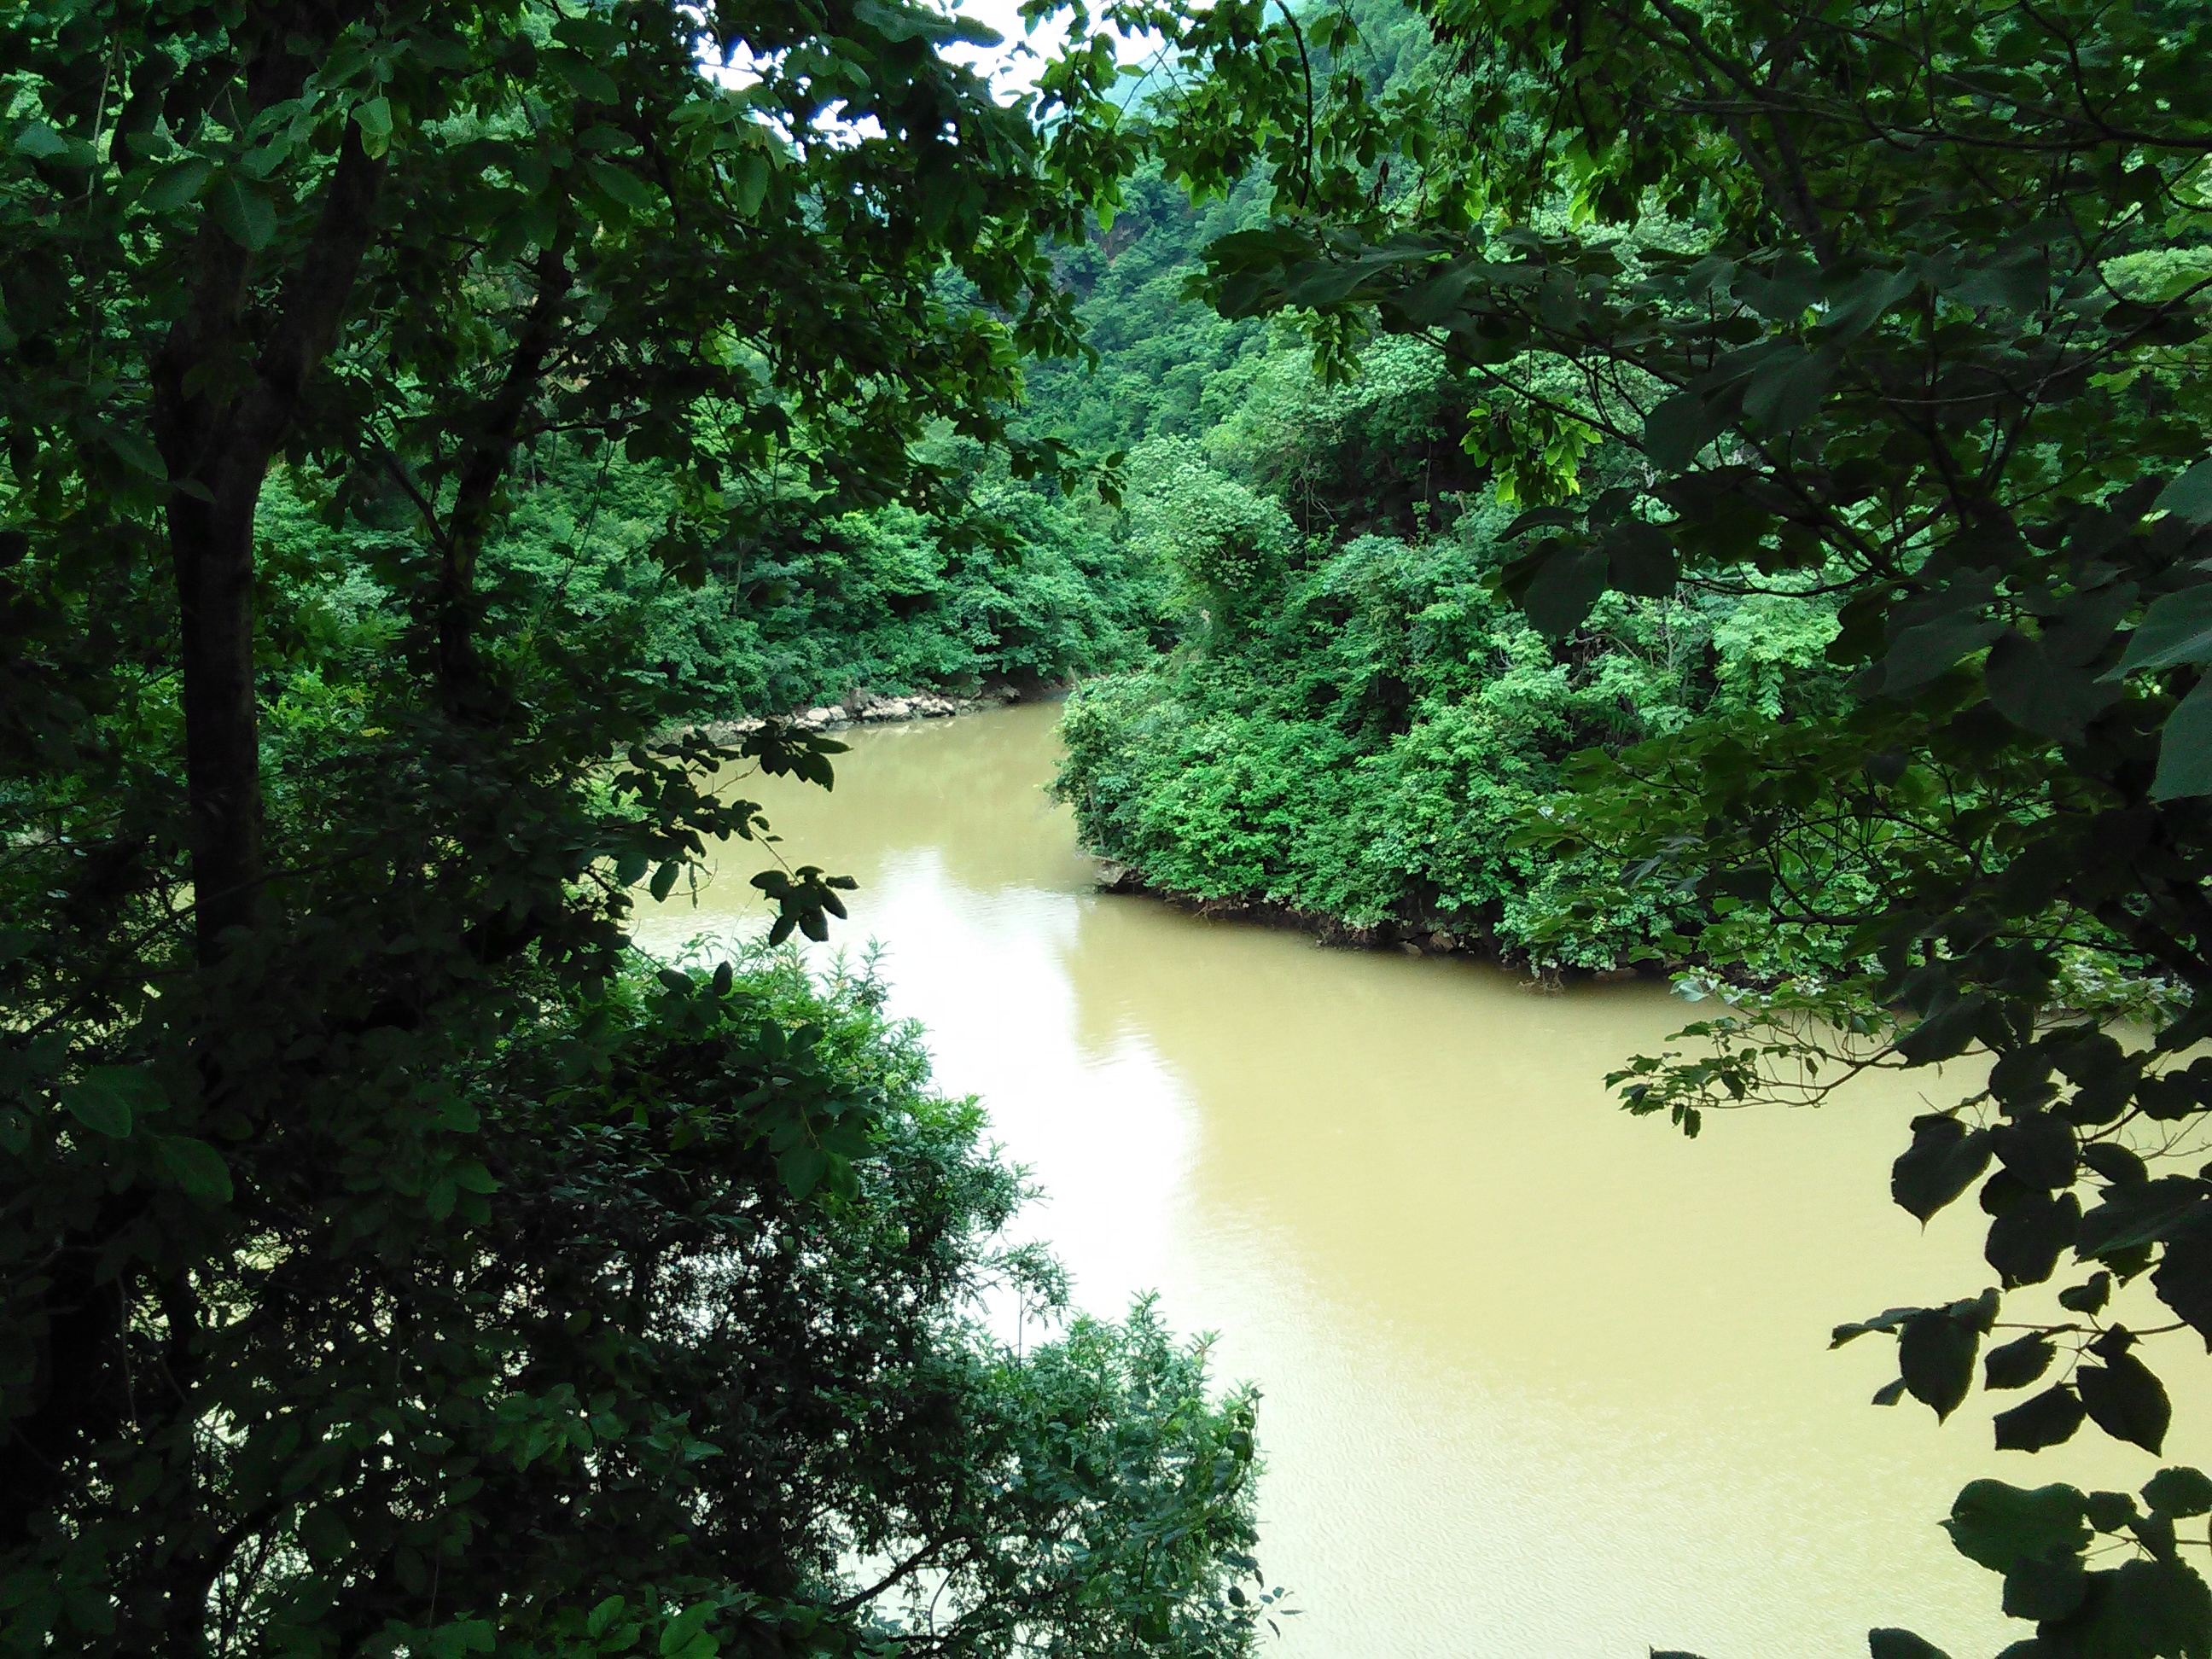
pixel 625 187
pixel 2176 628
pixel 324 1536
pixel 2000 1526
pixel 683 1631
pixel 2185 747
pixel 177 184
pixel 2190 496
pixel 1787 390
pixel 2048 1420
pixel 603 1615
pixel 1943 1161
pixel 1566 585
pixel 2037 695
pixel 41 141
pixel 196 1168
pixel 584 78
pixel 106 1097
pixel 137 455
pixel 664 878
pixel 1640 559
pixel 2126 1400
pixel 1924 652
pixel 1677 428
pixel 244 214
pixel 801 1170
pixel 98 1106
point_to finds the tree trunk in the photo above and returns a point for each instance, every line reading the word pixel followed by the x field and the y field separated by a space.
pixel 222 451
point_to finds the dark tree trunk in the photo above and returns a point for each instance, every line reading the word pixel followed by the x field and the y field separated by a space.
pixel 490 452
pixel 222 450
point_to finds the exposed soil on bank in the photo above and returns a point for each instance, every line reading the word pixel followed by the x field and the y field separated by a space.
pixel 1416 937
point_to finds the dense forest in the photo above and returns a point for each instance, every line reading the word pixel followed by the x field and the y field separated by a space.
pixel 1723 489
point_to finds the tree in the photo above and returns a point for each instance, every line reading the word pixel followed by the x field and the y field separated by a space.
pixel 390 1262
pixel 1904 303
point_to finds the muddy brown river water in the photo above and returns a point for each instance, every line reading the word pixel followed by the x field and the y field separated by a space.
pixel 1540 1380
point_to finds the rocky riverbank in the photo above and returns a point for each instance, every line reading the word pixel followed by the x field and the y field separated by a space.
pixel 866 707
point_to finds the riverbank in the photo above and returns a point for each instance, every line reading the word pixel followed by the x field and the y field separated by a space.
pixel 1414 937
pixel 862 706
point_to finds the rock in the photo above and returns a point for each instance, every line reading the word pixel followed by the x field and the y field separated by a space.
pixel 815 719
pixel 1410 948
pixel 1441 941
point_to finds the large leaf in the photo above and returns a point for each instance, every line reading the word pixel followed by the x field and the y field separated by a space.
pixel 2185 747
pixel 2049 1418
pixel 1892 1644
pixel 1566 585
pixel 1943 1161
pixel 2142 1212
pixel 2000 1526
pixel 244 211
pixel 2190 496
pixel 2176 628
pixel 2126 1399
pixel 1678 427
pixel 2183 1280
pixel 1936 1356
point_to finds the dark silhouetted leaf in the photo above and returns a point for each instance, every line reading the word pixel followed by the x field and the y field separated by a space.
pixel 2045 1587
pixel 1935 1357
pixel 1565 586
pixel 1675 430
pixel 2140 1213
pixel 2000 1526
pixel 1949 1029
pixel 2046 1420
pixel 2025 1242
pixel 2038 1148
pixel 2183 1280
pixel 1943 1161
pixel 196 1168
pixel 2018 1363
pixel 2179 1492
pixel 1889 1644
pixel 2089 1297
pixel 2126 1400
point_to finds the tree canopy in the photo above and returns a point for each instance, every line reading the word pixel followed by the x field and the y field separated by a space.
pixel 1903 304
pixel 392 1262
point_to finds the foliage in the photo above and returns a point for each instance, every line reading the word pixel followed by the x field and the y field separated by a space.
pixel 1366 743
pixel 1923 329
pixel 386 1267
pixel 807 600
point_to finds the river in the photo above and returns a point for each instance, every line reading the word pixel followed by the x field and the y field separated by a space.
pixel 1539 1380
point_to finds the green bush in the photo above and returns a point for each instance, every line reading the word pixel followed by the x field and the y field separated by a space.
pixel 1367 743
